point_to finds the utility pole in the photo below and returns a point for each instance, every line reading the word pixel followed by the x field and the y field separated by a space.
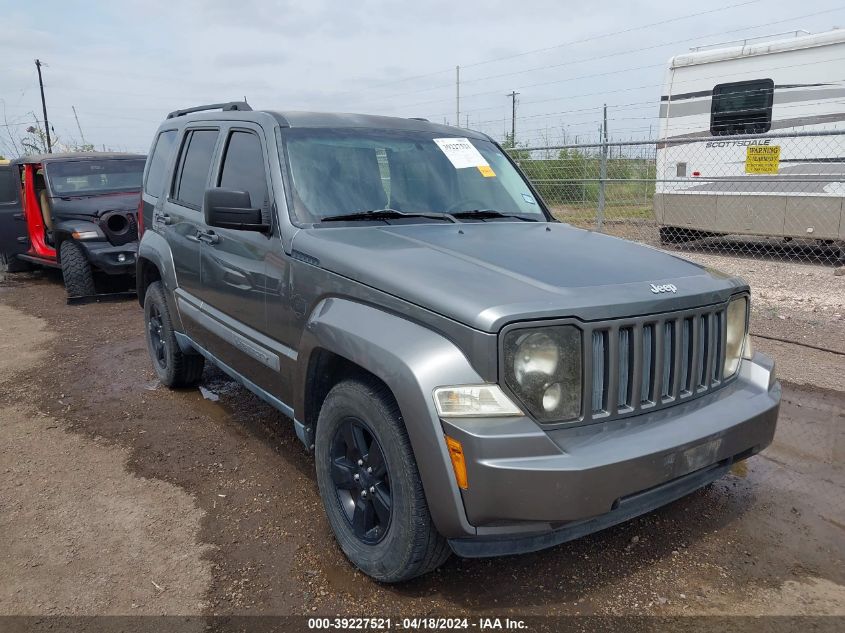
pixel 44 107
pixel 513 94
pixel 602 172
pixel 78 127
pixel 457 96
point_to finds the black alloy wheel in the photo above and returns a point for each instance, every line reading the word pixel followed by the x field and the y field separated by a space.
pixel 362 484
pixel 158 343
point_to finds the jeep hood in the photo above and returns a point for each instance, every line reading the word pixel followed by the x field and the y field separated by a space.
pixel 487 274
pixel 84 207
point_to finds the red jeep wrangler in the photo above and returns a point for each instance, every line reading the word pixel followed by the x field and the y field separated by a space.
pixel 75 211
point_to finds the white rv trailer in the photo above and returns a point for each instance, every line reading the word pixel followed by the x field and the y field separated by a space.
pixel 715 180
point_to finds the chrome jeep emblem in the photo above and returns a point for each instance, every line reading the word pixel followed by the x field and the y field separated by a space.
pixel 657 289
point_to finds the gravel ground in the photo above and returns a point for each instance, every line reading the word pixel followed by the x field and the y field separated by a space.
pixel 219 499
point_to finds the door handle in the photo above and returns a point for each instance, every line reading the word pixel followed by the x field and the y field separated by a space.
pixel 209 237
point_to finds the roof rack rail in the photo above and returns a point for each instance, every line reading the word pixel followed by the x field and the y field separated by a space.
pixel 230 106
pixel 418 118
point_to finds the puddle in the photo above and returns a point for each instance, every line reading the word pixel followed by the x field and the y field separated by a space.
pixel 740 469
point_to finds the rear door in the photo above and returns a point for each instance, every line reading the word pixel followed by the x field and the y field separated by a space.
pixel 12 225
pixel 180 220
pixel 155 176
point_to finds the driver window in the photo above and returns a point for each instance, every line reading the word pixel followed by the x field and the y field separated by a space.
pixel 243 169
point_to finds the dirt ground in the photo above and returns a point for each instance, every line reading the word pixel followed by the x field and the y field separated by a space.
pixel 118 495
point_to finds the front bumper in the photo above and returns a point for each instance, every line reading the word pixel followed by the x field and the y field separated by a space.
pixel 530 489
pixel 104 256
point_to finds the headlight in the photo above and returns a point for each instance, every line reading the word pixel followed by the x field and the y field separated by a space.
pixel 543 369
pixel 473 400
pixel 736 335
pixel 538 354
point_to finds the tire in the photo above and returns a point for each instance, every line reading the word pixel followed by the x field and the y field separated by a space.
pixel 76 270
pixel 405 544
pixel 11 264
pixel 173 367
pixel 673 235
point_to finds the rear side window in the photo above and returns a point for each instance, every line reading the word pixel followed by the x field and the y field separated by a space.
pixel 744 107
pixel 194 164
pixel 158 162
pixel 7 185
pixel 243 167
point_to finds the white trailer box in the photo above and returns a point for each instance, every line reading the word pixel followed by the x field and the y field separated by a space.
pixel 788 180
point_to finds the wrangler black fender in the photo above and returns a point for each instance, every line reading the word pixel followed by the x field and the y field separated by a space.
pixel 64 229
pixel 412 361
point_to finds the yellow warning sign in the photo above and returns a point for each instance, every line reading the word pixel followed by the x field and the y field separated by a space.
pixel 487 171
pixel 762 159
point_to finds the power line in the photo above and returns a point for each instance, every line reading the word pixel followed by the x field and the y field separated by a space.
pixel 562 45
pixel 601 57
pixel 696 80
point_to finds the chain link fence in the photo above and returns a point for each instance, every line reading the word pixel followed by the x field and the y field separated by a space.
pixel 769 208
pixel 777 196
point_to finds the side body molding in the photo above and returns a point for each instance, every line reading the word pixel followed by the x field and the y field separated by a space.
pixel 411 360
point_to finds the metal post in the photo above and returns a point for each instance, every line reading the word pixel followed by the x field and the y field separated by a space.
pixel 44 108
pixel 457 96
pixel 602 173
pixel 78 127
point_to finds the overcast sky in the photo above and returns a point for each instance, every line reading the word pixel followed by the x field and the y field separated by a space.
pixel 125 64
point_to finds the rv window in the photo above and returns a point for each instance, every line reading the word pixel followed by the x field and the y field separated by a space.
pixel 743 107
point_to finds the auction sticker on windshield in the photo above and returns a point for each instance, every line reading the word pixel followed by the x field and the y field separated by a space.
pixel 461 153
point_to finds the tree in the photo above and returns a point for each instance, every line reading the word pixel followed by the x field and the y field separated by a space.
pixel 35 141
pixel 514 150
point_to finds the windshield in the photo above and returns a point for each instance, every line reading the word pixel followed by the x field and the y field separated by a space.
pixel 86 177
pixel 346 171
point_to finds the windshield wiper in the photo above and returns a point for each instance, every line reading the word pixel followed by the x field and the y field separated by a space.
pixel 489 213
pixel 386 214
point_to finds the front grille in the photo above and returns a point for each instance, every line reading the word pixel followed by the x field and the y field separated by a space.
pixel 651 362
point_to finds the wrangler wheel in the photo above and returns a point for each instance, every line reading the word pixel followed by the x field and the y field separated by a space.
pixel 76 270
pixel 370 485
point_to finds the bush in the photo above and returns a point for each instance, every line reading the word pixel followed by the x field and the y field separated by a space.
pixel 560 180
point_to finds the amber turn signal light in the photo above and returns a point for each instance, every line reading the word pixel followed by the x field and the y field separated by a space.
pixel 456 454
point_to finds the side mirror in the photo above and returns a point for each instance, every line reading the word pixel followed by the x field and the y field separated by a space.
pixel 231 209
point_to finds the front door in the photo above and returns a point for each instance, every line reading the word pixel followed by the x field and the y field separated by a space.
pixel 234 264
pixel 180 219
pixel 12 225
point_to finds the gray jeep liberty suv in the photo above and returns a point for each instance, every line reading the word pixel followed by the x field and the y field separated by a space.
pixel 472 375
